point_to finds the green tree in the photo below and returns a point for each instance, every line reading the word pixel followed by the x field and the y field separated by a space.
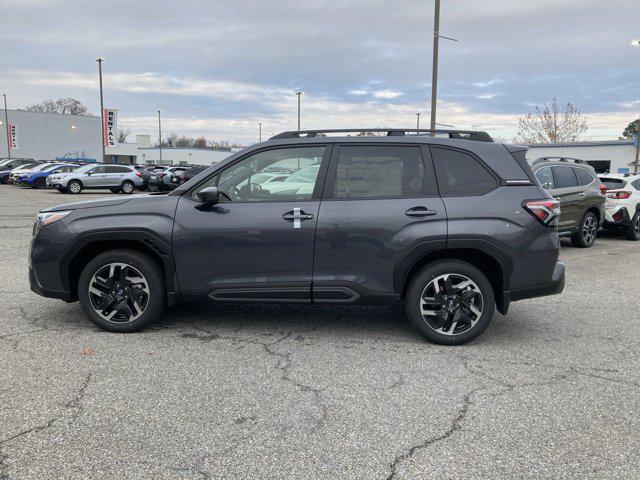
pixel 632 129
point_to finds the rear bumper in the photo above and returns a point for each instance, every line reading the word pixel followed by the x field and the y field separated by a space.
pixel 554 286
pixel 617 217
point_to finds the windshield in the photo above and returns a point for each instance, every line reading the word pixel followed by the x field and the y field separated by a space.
pixel 305 175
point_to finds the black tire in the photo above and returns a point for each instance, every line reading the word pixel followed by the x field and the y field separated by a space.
pixel 115 190
pixel 62 189
pixel 152 187
pixel 127 187
pixel 480 296
pixel 632 232
pixel 585 237
pixel 40 183
pixel 150 271
pixel 74 186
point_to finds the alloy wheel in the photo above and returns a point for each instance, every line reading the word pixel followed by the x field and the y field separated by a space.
pixel 127 187
pixel 74 187
pixel 636 226
pixel 118 292
pixel 589 229
pixel 451 304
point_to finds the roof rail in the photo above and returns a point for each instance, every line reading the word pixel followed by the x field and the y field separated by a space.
pixel 391 132
pixel 559 159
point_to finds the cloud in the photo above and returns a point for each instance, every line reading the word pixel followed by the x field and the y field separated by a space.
pixel 388 94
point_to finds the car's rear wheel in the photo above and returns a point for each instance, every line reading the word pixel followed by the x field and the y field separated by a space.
pixel 74 186
pixel 122 291
pixel 153 187
pixel 127 187
pixel 40 183
pixel 632 231
pixel 450 302
pixel 587 231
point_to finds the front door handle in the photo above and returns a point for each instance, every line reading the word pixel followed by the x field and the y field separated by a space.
pixel 417 212
pixel 296 216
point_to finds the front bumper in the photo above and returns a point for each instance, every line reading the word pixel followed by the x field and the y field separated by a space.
pixel 44 292
pixel 553 287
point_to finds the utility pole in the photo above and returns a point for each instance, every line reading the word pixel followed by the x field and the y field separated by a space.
pixel 100 60
pixel 160 135
pixel 259 132
pixel 6 123
pixel 434 67
pixel 418 120
pixel 635 167
pixel 299 94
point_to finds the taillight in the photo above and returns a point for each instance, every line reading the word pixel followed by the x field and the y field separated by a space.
pixel 138 174
pixel 546 211
pixel 603 188
pixel 619 195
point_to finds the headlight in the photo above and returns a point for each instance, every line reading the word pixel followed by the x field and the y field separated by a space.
pixel 47 218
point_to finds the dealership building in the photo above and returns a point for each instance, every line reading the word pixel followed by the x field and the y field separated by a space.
pixel 51 136
pixel 612 156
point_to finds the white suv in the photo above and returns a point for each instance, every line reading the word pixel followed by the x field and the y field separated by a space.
pixel 623 203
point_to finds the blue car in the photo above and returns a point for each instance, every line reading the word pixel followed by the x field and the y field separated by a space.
pixel 38 178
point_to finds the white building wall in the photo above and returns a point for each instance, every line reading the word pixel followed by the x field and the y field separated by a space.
pixel 48 136
pixel 620 153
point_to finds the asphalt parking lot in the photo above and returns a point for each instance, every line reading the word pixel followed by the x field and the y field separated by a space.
pixel 264 391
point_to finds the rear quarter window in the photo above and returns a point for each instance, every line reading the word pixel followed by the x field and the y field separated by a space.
pixel 613 183
pixel 584 176
pixel 461 174
pixel 564 177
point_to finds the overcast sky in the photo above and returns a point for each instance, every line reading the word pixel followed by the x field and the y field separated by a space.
pixel 218 67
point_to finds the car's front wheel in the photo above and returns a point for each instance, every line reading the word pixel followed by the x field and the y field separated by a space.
pixel 40 183
pixel 74 186
pixel 587 231
pixel 632 231
pixel 450 302
pixel 122 291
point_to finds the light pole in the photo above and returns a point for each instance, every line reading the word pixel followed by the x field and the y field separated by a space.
pixel 635 43
pixel 259 132
pixel 160 135
pixel 434 67
pixel 298 94
pixel 417 120
pixel 100 60
pixel 6 123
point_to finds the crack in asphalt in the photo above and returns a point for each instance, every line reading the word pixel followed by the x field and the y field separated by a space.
pixel 454 426
pixel 74 404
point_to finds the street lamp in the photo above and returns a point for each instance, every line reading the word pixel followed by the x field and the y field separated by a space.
pixel 6 122
pixel 160 135
pixel 99 60
pixel 417 120
pixel 434 68
pixel 298 94
pixel 259 132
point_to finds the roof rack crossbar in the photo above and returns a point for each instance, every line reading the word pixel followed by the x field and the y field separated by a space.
pixel 559 159
pixel 460 134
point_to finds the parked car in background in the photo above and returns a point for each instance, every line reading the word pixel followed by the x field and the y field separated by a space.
pixel 167 173
pixel 577 187
pixel 38 178
pixel 180 178
pixel 453 227
pixel 16 172
pixel 623 203
pixel 8 165
pixel 117 178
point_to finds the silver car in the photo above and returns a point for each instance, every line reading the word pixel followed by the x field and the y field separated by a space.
pixel 117 178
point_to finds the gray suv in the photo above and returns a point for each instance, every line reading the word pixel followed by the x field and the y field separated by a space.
pixel 117 178
pixel 454 227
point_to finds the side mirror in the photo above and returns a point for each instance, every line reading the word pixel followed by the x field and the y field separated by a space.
pixel 209 196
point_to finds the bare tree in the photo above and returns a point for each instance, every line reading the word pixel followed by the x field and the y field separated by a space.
pixel 553 123
pixel 66 106
pixel 123 133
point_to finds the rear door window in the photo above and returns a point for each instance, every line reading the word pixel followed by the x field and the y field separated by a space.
pixel 461 174
pixel 384 171
pixel 545 178
pixel 564 177
pixel 584 176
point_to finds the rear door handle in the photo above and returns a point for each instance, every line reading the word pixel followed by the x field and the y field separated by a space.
pixel 417 212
